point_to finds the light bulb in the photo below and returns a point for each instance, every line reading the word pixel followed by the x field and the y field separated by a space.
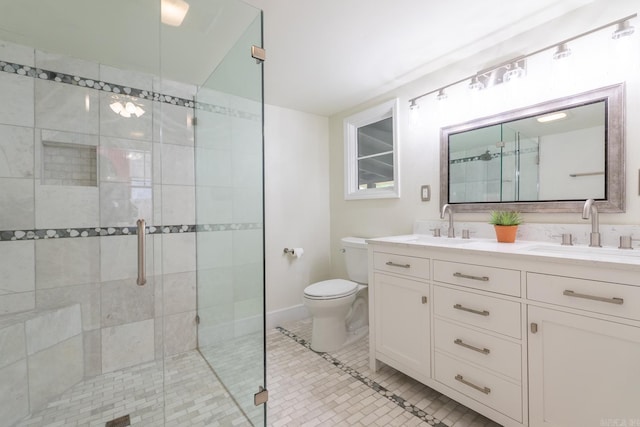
pixel 139 111
pixel 622 30
pixel 116 107
pixel 562 51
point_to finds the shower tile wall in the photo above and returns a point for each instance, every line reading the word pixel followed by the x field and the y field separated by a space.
pixel 473 179
pixel 145 169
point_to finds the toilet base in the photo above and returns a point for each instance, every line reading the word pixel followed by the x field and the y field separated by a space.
pixel 323 343
pixel 328 334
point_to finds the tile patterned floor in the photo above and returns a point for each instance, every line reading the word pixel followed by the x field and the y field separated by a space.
pixel 305 389
pixel 192 397
pixel 339 389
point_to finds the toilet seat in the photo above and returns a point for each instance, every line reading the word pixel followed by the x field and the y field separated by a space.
pixel 331 289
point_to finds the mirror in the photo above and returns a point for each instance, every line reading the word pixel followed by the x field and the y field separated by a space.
pixel 549 157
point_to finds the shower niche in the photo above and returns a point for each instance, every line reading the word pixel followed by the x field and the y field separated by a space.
pixel 69 164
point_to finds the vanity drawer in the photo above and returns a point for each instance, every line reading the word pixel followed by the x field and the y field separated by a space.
pixel 485 350
pixel 493 279
pixel 491 390
pixel 600 297
pixel 401 264
pixel 482 311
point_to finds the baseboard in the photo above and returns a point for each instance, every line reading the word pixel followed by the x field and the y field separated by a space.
pixel 285 315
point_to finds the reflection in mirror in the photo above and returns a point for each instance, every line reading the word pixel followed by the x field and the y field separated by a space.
pixel 531 159
pixel 550 157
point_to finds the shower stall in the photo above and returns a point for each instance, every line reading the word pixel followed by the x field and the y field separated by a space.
pixel 131 213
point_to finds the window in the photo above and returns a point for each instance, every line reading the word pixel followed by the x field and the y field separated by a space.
pixel 371 153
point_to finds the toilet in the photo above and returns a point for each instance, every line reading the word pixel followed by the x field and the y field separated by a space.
pixel 339 307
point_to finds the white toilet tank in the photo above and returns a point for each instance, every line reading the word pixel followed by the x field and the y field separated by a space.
pixel 356 258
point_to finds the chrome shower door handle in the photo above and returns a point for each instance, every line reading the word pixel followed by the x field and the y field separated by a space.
pixel 142 279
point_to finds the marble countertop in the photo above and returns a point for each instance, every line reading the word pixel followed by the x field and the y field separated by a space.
pixel 528 249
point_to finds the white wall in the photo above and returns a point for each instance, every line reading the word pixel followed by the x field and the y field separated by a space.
pixel 419 145
pixel 296 208
pixel 557 151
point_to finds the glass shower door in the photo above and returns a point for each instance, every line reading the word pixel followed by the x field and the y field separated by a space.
pixel 229 218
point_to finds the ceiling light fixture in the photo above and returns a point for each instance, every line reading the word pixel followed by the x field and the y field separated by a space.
pixel 126 109
pixel 172 12
pixel 562 51
pixel 623 29
pixel 514 72
pixel 516 68
pixel 475 84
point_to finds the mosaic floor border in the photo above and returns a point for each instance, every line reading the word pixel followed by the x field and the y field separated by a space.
pixel 398 400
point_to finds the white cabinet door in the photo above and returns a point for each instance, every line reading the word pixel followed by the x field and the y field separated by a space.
pixel 582 371
pixel 402 328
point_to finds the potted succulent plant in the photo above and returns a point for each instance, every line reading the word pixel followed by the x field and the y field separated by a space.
pixel 506 225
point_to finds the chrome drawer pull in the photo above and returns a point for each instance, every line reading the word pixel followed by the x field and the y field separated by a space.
pixel 613 300
pixel 466 276
pixel 393 264
pixel 470 310
pixel 470 347
pixel 485 390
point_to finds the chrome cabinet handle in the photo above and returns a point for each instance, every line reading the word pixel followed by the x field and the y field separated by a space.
pixel 142 279
pixel 613 300
pixel 485 390
pixel 470 347
pixel 466 276
pixel 393 264
pixel 470 310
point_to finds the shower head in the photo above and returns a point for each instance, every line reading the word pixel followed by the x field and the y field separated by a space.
pixel 486 156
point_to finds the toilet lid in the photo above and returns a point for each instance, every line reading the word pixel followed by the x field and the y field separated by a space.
pixel 328 289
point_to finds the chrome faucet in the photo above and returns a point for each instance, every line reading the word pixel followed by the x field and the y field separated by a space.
pixel 590 210
pixel 448 208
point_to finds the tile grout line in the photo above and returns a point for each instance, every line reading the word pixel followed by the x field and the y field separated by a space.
pixel 398 400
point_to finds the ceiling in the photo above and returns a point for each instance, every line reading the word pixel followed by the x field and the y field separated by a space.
pixel 323 56
pixel 326 56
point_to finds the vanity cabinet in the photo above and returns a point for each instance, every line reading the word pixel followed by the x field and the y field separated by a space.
pixel 583 370
pixel 477 334
pixel 524 340
pixel 454 326
pixel 402 324
pixel 401 315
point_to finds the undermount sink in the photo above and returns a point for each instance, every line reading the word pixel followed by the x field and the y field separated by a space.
pixel 429 240
pixel 585 251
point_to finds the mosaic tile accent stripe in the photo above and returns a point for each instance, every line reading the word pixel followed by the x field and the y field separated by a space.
pixel 62 233
pixel 28 71
pixel 398 400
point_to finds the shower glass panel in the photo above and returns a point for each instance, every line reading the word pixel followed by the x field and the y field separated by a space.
pixel 96 133
pixel 229 217
pixel 77 173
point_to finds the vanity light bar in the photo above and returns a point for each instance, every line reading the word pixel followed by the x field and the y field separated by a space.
pixel 552 117
pixel 623 29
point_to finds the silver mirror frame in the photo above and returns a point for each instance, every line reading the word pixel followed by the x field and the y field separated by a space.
pixel 615 172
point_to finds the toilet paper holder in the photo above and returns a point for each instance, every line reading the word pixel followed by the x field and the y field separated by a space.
pixel 295 252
